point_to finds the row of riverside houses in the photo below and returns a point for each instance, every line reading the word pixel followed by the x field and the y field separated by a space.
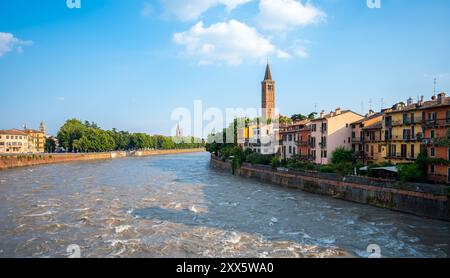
pixel 397 134
pixel 15 141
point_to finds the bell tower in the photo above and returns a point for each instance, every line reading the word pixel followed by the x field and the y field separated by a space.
pixel 268 95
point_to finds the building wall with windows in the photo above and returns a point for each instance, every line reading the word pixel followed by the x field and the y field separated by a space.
pixel 330 132
pixel 36 140
pixel 402 132
pixel 13 141
pixel 436 125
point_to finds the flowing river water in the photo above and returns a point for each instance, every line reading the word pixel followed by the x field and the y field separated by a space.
pixel 178 206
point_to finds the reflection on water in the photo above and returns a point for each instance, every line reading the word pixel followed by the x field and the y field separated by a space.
pixel 177 206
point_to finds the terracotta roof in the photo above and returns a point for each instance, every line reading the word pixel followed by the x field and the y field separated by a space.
pixel 377 125
pixel 430 104
pixel 375 115
pixel 12 132
pixel 333 114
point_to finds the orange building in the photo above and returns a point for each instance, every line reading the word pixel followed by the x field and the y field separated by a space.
pixel 436 123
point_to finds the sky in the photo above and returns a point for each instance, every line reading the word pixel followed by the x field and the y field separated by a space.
pixel 129 64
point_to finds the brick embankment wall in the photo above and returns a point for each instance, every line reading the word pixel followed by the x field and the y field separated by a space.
pixel 426 200
pixel 21 160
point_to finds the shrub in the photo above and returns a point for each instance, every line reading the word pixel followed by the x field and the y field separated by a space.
pixel 275 162
pixel 256 158
pixel 410 172
pixel 341 155
pixel 326 169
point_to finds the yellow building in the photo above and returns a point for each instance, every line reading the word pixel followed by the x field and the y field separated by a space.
pixel 402 132
pixel 367 138
pixel 36 139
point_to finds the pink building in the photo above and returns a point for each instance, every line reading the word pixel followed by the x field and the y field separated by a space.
pixel 331 131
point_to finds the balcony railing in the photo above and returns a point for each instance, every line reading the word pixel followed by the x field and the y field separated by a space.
pixel 437 122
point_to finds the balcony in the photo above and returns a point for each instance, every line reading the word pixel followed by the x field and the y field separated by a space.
pixel 302 143
pixel 436 123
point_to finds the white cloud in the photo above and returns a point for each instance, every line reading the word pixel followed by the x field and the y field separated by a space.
pixel 193 9
pixel 146 10
pixel 60 99
pixel 8 43
pixel 226 42
pixel 280 15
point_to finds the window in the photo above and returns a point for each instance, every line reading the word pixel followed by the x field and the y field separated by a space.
pixel 412 118
pixel 7 137
pixel 353 135
pixel 290 149
pixel 349 140
pixel 432 168
pixel 432 134
pixel 447 116
pixel 432 116
pixel 432 152
pixel 313 127
pixel 324 127
pixel 413 151
pixel 403 151
pixel 293 151
pixel 325 154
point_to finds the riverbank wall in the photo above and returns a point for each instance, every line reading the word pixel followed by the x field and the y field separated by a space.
pixel 426 200
pixel 22 160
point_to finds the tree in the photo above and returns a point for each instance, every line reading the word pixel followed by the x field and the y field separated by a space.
pixel 72 130
pixel 94 140
pixel 341 155
pixel 312 116
pixel 50 145
pixel 298 117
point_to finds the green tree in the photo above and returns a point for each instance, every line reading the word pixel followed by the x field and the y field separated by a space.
pixel 50 145
pixel 298 117
pixel 341 155
pixel 312 116
pixel 72 130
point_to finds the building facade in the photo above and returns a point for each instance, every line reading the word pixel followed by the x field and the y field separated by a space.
pixel 13 141
pixel 331 131
pixel 436 125
pixel 366 138
pixel 402 132
pixel 291 138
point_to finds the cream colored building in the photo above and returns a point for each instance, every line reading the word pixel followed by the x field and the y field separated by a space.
pixel 13 141
pixel 331 131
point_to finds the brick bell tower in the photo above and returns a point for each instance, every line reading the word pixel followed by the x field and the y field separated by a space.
pixel 268 95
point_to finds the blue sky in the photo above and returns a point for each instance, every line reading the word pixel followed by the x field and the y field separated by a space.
pixel 128 64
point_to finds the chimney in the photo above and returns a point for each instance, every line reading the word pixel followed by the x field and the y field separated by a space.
pixel 433 98
pixel 421 101
pixel 371 112
pixel 440 98
pixel 409 101
pixel 338 111
pixel 322 114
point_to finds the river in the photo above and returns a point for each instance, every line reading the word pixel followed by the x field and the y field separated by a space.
pixel 178 206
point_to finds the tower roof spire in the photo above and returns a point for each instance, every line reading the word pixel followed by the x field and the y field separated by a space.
pixel 268 75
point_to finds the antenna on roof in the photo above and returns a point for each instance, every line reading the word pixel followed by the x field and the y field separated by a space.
pixel 434 87
pixel 382 104
pixel 370 104
pixel 362 107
